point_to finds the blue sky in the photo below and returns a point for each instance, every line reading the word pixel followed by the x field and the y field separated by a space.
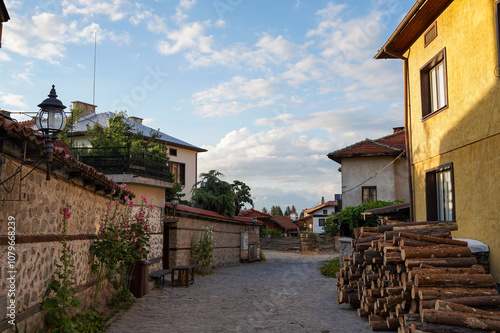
pixel 268 87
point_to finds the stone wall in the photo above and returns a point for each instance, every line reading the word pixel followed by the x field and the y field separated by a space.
pixel 345 248
pixel 226 235
pixel 38 228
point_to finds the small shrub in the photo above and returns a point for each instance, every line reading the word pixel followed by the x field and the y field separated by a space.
pixel 201 252
pixel 272 233
pixel 331 267
pixel 90 322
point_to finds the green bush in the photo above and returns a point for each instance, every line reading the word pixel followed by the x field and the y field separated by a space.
pixel 331 267
pixel 201 251
pixel 90 322
pixel 352 214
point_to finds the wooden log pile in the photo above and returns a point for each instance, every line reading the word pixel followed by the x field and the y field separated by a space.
pixel 413 277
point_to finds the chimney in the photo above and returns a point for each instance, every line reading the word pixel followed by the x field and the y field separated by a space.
pixel 135 120
pixel 322 200
pixel 397 129
pixel 85 107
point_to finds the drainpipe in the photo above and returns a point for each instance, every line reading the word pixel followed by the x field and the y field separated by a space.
pixel 407 122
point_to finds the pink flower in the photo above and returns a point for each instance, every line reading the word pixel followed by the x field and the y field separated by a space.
pixel 68 248
pixel 65 210
pixel 123 185
pixel 140 249
pixel 127 233
pixel 131 204
pixel 144 199
pixel 150 208
pixel 116 202
pixel 135 240
pixel 68 215
pixel 114 191
pixel 127 199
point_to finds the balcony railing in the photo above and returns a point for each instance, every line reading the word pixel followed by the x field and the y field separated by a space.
pixel 124 160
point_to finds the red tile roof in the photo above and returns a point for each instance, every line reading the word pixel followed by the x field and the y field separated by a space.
pixel 326 204
pixel 285 222
pixel 390 145
pixel 18 131
pixel 209 213
pixel 252 212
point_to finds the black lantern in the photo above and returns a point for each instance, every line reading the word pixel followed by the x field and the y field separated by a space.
pixel 51 120
pixel 174 202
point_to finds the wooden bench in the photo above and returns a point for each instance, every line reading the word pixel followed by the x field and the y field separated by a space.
pixel 185 276
pixel 159 275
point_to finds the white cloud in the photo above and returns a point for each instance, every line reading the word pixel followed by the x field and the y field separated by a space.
pixel 90 8
pixel 236 96
pixel 154 23
pixel 16 101
pixel 43 36
pixel 4 56
pixel 188 36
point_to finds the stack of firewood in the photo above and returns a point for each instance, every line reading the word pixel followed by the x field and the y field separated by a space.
pixel 413 277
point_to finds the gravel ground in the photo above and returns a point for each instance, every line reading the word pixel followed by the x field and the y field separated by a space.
pixel 286 293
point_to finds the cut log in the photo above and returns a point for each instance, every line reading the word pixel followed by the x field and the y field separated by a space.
pixel 412 242
pixel 437 328
pixel 362 313
pixel 469 320
pixel 432 239
pixel 389 227
pixel 448 306
pixel 371 254
pixel 438 232
pixel 409 228
pixel 368 239
pixel 455 280
pixel 354 300
pixel 392 258
pixel 476 269
pixel 377 323
pixel 435 252
pixel 433 293
pixel 442 262
pixel 392 324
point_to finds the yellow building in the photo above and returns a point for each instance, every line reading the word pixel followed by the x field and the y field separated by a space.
pixel 450 53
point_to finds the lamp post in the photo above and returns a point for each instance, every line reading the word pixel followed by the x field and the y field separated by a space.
pixel 51 120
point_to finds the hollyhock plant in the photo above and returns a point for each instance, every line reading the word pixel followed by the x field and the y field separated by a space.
pixel 123 231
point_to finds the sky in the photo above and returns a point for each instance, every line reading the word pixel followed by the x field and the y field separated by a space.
pixel 269 88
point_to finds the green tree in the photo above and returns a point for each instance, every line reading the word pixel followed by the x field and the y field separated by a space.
pixel 294 210
pixel 288 211
pixel 242 195
pixel 264 210
pixel 276 210
pixel 119 133
pixel 212 193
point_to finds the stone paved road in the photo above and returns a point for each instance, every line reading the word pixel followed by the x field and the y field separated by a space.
pixel 286 293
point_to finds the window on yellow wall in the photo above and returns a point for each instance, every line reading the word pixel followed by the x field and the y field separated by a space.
pixel 439 190
pixel 497 14
pixel 434 85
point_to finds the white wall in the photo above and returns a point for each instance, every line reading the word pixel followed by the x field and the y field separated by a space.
pixel 317 215
pixel 391 183
pixel 189 158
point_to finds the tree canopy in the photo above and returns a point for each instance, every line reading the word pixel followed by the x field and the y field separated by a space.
pixel 242 195
pixel 215 194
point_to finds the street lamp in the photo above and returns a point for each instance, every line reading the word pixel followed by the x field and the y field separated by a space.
pixel 174 202
pixel 51 120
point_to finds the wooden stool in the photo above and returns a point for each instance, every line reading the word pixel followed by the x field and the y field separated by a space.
pixel 185 276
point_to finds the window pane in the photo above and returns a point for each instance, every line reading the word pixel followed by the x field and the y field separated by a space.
pixel 440 86
pixel 440 197
pixel 444 196
pixel 448 196
pixel 434 89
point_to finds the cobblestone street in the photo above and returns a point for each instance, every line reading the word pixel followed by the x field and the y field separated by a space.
pixel 286 293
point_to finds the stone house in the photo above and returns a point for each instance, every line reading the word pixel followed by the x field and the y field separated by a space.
pixel 374 170
pixel 183 161
pixel 450 53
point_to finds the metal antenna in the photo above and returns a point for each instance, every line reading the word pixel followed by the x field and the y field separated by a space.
pixel 95 53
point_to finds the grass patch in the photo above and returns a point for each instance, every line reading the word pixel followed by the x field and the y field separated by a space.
pixel 331 267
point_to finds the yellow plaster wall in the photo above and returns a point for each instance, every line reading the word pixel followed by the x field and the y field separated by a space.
pixel 457 134
pixel 155 195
